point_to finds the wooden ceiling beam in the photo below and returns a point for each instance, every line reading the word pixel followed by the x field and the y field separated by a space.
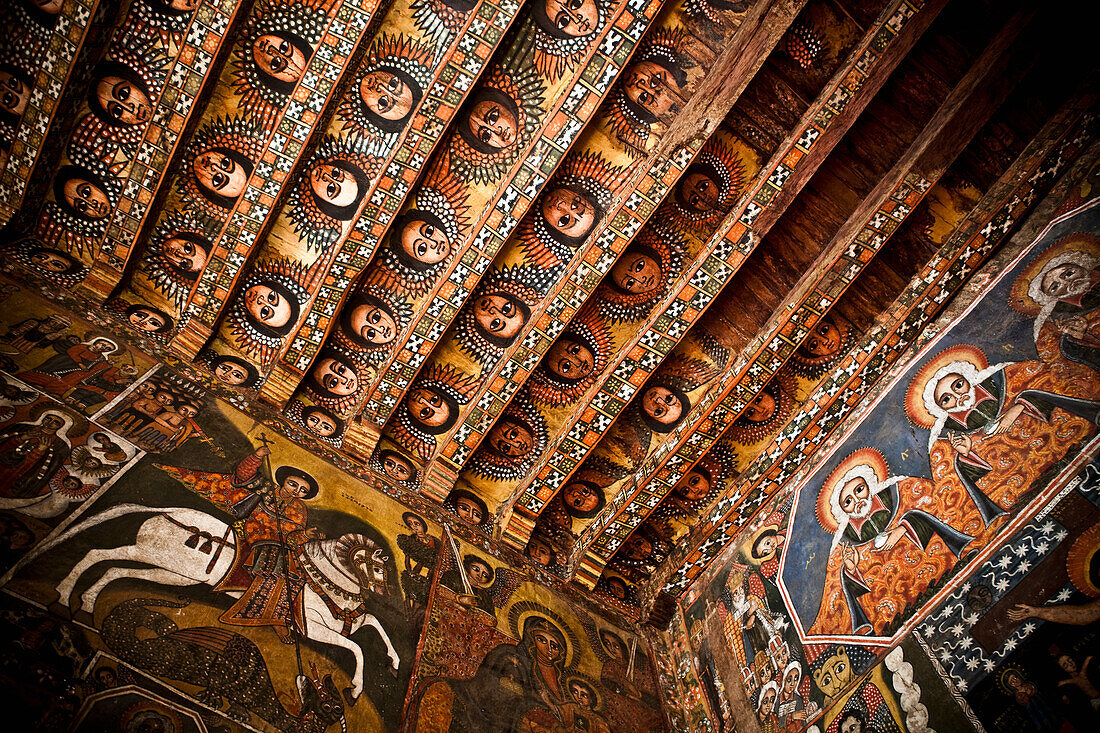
pixel 820 128
pixel 984 230
pixel 966 109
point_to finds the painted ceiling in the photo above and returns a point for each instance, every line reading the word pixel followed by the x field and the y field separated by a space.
pixel 590 279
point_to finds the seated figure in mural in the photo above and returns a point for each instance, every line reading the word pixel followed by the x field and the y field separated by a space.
pixel 515 686
pixel 995 429
pixel 270 524
pixel 1061 289
pixel 885 550
pixel 64 371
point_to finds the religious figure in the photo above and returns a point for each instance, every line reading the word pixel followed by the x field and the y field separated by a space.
pixel 32 452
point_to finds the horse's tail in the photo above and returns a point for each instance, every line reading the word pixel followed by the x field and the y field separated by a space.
pixel 114 512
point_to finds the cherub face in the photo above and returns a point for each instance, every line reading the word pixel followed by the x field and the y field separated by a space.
pixel 499 315
pixel 231 373
pixel 428 407
pixel 49 261
pixel 835 674
pixel 953 392
pixel 637 547
pixel 539 552
pixel 635 272
pixel 144 319
pixel 480 574
pixel 647 83
pixel 1065 281
pixel 279 58
pixel 185 254
pixel 296 486
pixel 336 377
pixel 854 497
pixel 493 124
pixel 13 94
pixel 87 198
pixel 424 242
pixel 333 184
pixel 568 212
pixel 661 405
pixel 373 324
pixel 396 467
pixel 699 192
pixel 267 306
pixel 386 95
pixel 510 438
pixel 580 496
pixel 218 173
pixel 548 647
pixel 694 486
pixel 320 424
pixel 469 510
pixel 123 100
pixel 570 359
pixel 824 340
pixel 760 409
pixel 573 17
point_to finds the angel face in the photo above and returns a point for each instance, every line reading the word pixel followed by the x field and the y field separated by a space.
pixel 580 496
pixel 386 95
pixel 428 407
pixel 14 94
pixel 570 359
pixel 334 185
pixel 660 404
pixel 835 674
pixel 424 242
pixel 373 324
pixel 699 192
pixel 539 552
pixel 646 84
pixel 953 392
pixel 267 306
pixel 277 57
pixel 824 340
pixel 760 409
pixel 636 272
pixel 499 314
pixel 123 100
pixel 186 254
pixel 637 547
pixel 231 373
pixel 511 438
pixel 319 423
pixel 219 174
pixel 479 573
pixel 144 318
pixel 469 510
pixel 694 486
pixel 396 467
pixel 493 124
pixel 49 261
pixel 573 17
pixel 1065 281
pixel 855 497
pixel 86 198
pixel 336 377
pixel 568 213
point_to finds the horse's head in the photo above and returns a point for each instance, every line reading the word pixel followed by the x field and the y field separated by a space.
pixel 367 560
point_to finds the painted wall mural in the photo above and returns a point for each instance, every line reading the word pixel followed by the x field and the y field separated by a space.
pixel 911 521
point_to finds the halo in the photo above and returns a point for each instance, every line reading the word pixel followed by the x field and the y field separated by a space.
pixel 766 529
pixel 518 614
pixel 862 456
pixel 1083 562
pixel 1019 299
pixel 914 396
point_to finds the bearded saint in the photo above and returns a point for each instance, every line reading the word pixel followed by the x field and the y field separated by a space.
pixel 1061 289
pixel 885 551
pixel 995 430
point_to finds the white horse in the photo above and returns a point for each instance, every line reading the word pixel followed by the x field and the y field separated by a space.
pixel 345 570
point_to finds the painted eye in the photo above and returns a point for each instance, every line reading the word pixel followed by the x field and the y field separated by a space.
pixel 332 190
pixel 493 115
pixel 564 221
